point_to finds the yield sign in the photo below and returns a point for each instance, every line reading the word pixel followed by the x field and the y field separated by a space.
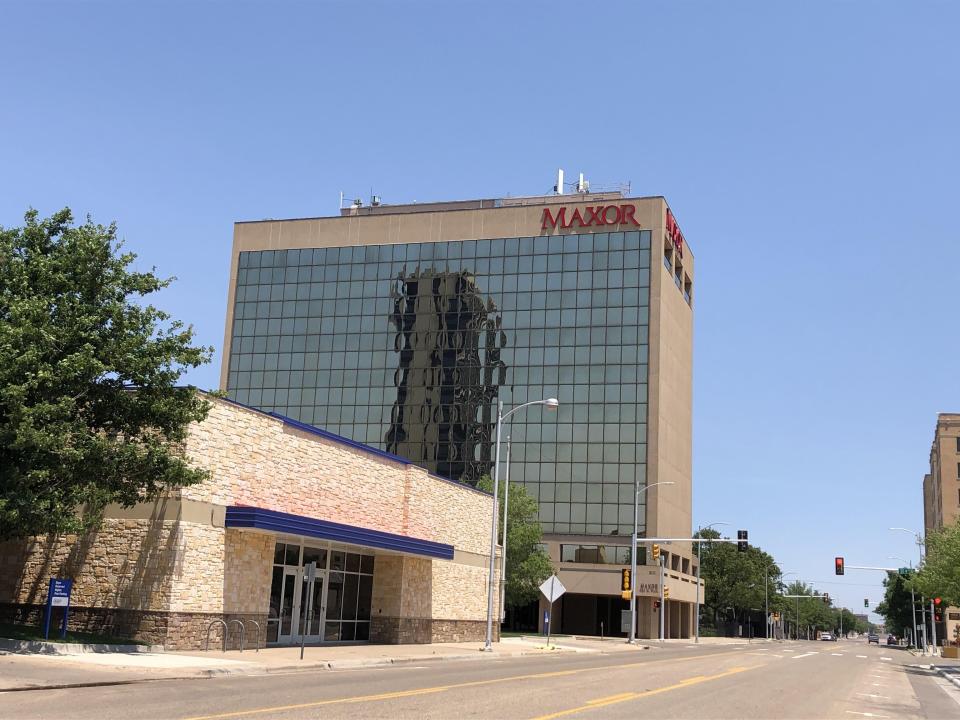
pixel 552 588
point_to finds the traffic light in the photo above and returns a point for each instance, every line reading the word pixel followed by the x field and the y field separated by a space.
pixel 937 601
pixel 938 614
pixel 866 602
pixel 656 552
pixel 656 604
pixel 626 586
pixel 741 540
pixel 666 591
pixel 826 598
pixel 838 565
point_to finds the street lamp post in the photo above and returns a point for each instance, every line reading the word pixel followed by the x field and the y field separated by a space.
pixel 696 615
pixel 913 602
pixel 503 543
pixel 766 599
pixel 913 606
pixel 550 404
pixel 633 552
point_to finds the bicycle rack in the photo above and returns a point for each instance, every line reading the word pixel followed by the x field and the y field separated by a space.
pixel 242 633
pixel 254 622
pixel 206 645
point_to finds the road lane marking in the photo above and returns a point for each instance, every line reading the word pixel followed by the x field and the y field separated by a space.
pixel 864 657
pixel 874 695
pixel 455 686
pixel 611 699
pixel 796 657
pixel 865 714
pixel 837 654
pixel 624 697
pixel 886 658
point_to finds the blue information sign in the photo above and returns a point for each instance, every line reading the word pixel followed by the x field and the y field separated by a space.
pixel 58 595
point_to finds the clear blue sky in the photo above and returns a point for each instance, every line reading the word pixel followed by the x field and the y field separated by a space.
pixel 810 153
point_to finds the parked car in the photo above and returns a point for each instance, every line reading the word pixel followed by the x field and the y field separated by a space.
pixel 826 636
pixel 873 638
pixel 891 640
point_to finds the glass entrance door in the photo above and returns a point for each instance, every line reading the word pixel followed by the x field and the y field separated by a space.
pixel 310 609
pixel 288 606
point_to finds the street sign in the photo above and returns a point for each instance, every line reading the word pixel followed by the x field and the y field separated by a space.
pixel 904 572
pixel 58 595
pixel 625 621
pixel 552 588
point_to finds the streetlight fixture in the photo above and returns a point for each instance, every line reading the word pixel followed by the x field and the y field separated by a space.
pixel 696 614
pixel 550 404
pixel 633 544
pixel 916 535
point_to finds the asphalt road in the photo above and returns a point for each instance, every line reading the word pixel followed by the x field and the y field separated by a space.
pixel 844 679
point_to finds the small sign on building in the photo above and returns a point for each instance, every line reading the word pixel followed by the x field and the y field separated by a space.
pixel 58 595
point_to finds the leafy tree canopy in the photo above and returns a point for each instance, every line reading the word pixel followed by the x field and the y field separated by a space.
pixel 90 411
pixel 527 563
pixel 735 580
pixel 940 574
pixel 895 606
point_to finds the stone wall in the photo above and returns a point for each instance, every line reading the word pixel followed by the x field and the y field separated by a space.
pixel 460 590
pixel 259 461
pixel 126 564
pixel 247 574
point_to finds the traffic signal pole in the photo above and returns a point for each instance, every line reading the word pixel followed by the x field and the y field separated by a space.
pixel 933 630
pixel 663 607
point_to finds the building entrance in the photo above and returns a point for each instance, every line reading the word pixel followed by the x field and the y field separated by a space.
pixel 335 609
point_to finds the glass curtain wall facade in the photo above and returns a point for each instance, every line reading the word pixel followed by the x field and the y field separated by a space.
pixel 409 347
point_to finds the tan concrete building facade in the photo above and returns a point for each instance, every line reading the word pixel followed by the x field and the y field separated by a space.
pixel 941 494
pixel 403 326
pixel 401 554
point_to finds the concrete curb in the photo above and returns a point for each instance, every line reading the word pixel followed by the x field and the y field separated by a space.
pixel 306 666
pixel 952 677
pixel 41 647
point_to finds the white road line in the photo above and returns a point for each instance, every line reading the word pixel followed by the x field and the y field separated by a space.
pixel 862 656
pixel 865 714
pixel 795 657
pixel 837 654
pixel 886 658
pixel 874 695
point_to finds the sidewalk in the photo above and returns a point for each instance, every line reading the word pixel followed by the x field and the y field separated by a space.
pixel 27 671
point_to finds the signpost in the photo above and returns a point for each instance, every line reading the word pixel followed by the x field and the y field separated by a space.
pixel 552 589
pixel 308 577
pixel 58 595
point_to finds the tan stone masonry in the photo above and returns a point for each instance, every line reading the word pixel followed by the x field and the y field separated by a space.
pixel 162 571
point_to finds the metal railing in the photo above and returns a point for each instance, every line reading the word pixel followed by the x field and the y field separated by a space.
pixel 226 630
pixel 206 646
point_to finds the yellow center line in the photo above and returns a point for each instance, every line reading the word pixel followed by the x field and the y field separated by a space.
pixel 624 697
pixel 455 686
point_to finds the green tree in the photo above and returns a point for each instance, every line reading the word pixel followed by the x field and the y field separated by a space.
pixel 90 411
pixel 527 563
pixel 895 606
pixel 735 580
pixel 940 574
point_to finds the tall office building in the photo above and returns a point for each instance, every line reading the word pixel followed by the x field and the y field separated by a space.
pixel 404 326
pixel 941 495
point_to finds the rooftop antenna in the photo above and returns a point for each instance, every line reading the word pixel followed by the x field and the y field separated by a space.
pixel 583 186
pixel 558 188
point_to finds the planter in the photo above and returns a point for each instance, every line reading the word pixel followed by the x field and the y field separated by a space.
pixel 951 651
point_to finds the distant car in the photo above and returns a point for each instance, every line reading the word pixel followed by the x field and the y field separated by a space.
pixel 826 636
pixel 873 638
pixel 891 640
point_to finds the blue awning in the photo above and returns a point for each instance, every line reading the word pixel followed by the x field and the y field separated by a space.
pixel 281 522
